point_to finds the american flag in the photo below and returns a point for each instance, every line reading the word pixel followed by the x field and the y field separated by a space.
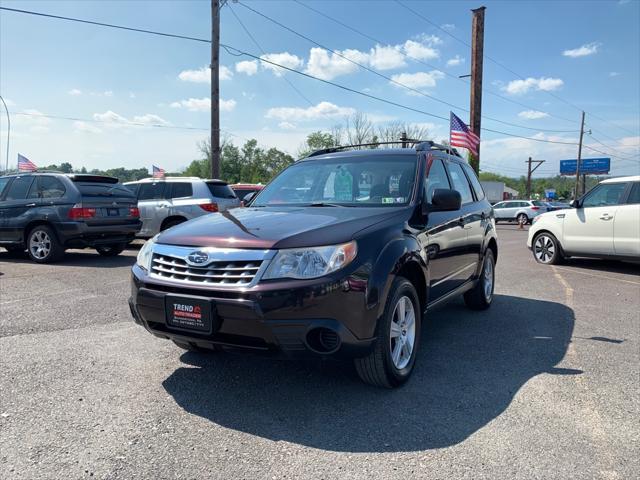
pixel 461 136
pixel 158 172
pixel 26 165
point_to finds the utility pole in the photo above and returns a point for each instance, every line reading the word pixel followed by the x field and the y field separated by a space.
pixel 6 168
pixel 477 47
pixel 530 172
pixel 579 159
pixel 215 89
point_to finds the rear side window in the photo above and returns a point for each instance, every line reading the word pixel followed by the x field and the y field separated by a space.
pixel 604 195
pixel 437 178
pixel 499 205
pixel 221 190
pixel 3 183
pixel 538 203
pixel 103 190
pixel 50 187
pixel 180 190
pixel 460 183
pixel 475 183
pixel 19 188
pixel 634 194
pixel 151 191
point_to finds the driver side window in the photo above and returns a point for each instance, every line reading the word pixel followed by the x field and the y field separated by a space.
pixel 437 178
pixel 604 195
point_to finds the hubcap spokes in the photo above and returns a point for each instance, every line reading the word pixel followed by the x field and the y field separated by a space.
pixel 403 332
pixel 488 279
pixel 544 249
pixel 40 244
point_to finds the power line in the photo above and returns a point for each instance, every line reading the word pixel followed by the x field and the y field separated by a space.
pixel 390 79
pixel 622 154
pixel 250 35
pixel 503 66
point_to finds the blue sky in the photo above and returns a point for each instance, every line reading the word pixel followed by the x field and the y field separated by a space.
pixel 584 53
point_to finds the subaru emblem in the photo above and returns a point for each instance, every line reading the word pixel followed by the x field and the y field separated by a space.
pixel 198 258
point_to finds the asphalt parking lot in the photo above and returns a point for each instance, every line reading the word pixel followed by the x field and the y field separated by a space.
pixel 543 385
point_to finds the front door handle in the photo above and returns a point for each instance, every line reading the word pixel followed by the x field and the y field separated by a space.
pixel 30 205
pixel 606 216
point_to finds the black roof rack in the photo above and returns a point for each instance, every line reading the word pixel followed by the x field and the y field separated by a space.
pixel 421 145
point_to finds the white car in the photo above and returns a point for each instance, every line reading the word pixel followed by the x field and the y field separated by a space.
pixel 604 223
pixel 522 211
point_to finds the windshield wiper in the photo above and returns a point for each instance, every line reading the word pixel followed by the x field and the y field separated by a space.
pixel 324 204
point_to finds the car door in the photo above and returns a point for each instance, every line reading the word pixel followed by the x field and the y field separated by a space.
pixel 152 206
pixel 498 210
pixel 626 225
pixel 17 207
pixel 479 215
pixel 589 228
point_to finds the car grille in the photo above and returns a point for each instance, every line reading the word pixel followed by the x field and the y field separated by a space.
pixel 228 273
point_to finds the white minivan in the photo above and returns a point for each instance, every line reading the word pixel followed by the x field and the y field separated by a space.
pixel 604 223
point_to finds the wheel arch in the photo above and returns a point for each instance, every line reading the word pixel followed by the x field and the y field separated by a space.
pixel 550 232
pixel 35 223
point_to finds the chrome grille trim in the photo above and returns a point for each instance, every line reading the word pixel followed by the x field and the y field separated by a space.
pixel 226 267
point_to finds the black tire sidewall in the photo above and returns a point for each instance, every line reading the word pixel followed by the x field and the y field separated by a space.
pixel 522 215
pixel 488 256
pixel 401 287
pixel 112 251
pixel 56 249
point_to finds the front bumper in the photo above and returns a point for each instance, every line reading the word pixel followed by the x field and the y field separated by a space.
pixel 282 316
pixel 80 235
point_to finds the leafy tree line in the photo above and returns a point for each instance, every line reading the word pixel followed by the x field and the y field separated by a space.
pixel 563 185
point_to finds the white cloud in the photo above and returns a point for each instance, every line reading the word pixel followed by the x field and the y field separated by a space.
pixel 34 121
pixel 532 114
pixel 287 126
pixel 418 79
pixel 328 66
pixel 74 92
pixel 285 59
pixel 132 95
pixel 614 74
pixel 110 117
pixel 583 51
pixel 322 110
pixel 203 104
pixel 107 93
pixel 420 51
pixel 248 67
pixel 519 87
pixel 150 119
pixel 455 61
pixel 203 75
pixel 448 26
pixel 86 127
pixel 387 57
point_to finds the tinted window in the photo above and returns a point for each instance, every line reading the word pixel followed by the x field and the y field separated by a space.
pixel 19 188
pixel 460 182
pixel 151 191
pixel 604 194
pixel 3 183
pixel 179 190
pixel 50 187
pixel 538 203
pixel 221 190
pixel 242 192
pixel 103 190
pixel 500 205
pixel 437 178
pixel 134 187
pixel 634 195
pixel 475 183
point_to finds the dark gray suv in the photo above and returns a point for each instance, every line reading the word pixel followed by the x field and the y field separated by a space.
pixel 46 213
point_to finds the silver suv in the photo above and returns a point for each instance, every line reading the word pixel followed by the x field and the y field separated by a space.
pixel 519 210
pixel 165 202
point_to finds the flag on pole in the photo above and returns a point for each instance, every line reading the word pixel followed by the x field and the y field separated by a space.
pixel 26 165
pixel 461 136
pixel 158 172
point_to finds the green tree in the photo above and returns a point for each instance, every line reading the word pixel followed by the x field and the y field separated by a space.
pixel 317 141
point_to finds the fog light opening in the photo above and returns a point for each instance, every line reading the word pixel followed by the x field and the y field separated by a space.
pixel 323 340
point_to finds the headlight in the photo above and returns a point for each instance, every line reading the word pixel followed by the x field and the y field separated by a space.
pixel 311 262
pixel 535 219
pixel 145 253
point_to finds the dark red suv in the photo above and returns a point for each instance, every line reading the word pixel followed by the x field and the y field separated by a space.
pixel 341 255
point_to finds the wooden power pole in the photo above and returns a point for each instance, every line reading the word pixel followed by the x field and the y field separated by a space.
pixel 215 89
pixel 579 159
pixel 530 172
pixel 477 47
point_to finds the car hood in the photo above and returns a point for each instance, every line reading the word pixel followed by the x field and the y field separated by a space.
pixel 278 227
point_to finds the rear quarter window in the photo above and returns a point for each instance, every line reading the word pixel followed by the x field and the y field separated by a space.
pixel 634 195
pixel 221 190
pixel 180 190
pixel 475 183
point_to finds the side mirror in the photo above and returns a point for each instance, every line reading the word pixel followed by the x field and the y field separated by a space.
pixel 575 204
pixel 246 201
pixel 445 200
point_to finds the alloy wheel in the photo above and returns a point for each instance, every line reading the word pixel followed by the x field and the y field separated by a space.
pixel 488 273
pixel 403 332
pixel 544 249
pixel 40 244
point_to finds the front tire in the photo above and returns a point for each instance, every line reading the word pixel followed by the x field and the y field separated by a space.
pixel 43 245
pixel 546 249
pixel 111 250
pixel 394 352
pixel 481 296
pixel 522 218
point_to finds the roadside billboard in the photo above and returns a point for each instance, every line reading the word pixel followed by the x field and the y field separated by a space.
pixel 588 166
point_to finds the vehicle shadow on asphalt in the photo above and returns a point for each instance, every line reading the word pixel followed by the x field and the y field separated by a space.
pixel 611 266
pixel 470 366
pixel 75 258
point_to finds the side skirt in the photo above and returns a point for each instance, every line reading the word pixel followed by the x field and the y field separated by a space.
pixel 468 285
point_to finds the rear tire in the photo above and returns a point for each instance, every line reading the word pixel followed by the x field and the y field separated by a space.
pixel 111 250
pixel 394 352
pixel 522 218
pixel 546 249
pixel 481 296
pixel 43 245
pixel 194 348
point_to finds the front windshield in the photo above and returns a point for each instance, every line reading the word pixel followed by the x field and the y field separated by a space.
pixel 376 181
